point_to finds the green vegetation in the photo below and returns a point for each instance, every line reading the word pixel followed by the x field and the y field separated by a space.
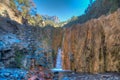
pixel 27 11
pixel 74 18
pixel 18 58
pixel 5 13
pixel 96 9
pixel 35 20
pixel 12 4
pixel 115 6
pixel 25 7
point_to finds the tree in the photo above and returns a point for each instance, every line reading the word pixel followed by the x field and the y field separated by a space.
pixel 12 4
pixel 25 6
pixel 74 18
pixel 115 5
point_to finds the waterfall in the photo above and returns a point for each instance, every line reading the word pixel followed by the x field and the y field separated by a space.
pixel 59 59
pixel 58 66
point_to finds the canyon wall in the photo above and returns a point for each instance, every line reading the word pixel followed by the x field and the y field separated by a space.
pixel 93 46
pixel 22 45
pixel 90 47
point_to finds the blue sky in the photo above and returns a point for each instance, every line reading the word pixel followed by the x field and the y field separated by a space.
pixel 64 9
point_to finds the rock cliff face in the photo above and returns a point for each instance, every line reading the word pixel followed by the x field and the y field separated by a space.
pixel 21 44
pixel 93 46
pixel 51 18
pixel 6 11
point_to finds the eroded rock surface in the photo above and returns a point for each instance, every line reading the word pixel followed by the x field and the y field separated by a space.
pixel 93 46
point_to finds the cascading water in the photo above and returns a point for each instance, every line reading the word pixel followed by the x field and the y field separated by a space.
pixel 59 59
pixel 58 66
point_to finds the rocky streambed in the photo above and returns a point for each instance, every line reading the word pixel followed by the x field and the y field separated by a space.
pixel 85 76
pixel 19 74
pixel 12 74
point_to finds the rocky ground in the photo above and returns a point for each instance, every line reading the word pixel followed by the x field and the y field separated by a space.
pixel 12 74
pixel 18 74
pixel 80 76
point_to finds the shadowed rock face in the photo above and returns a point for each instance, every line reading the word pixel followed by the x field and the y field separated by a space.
pixel 91 47
pixel 20 43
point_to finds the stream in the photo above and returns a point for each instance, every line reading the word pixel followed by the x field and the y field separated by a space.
pixel 19 74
